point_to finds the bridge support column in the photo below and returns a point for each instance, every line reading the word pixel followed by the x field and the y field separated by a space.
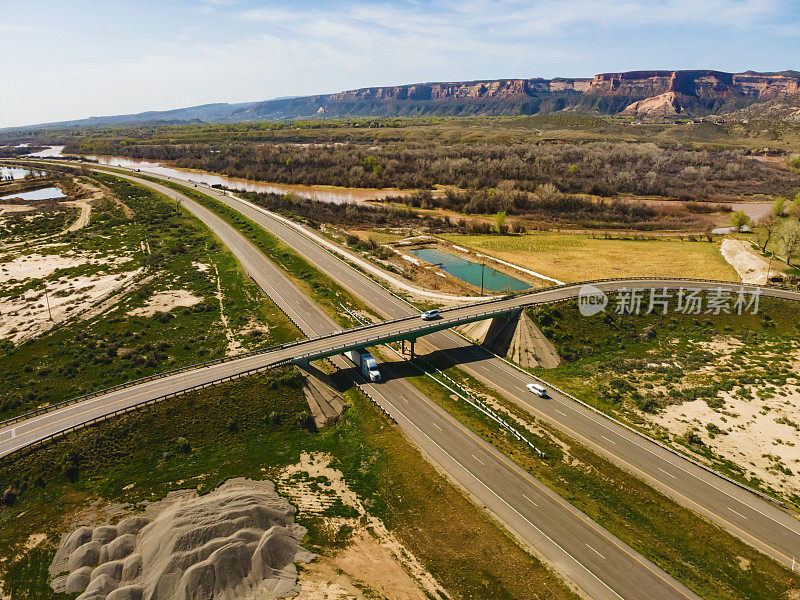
pixel 403 347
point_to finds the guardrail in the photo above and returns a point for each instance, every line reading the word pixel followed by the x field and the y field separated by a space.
pixel 153 377
pixel 128 409
pixel 431 327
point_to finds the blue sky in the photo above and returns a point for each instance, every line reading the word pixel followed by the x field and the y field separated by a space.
pixel 68 60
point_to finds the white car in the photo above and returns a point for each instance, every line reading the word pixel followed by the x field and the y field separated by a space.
pixel 538 389
pixel 430 315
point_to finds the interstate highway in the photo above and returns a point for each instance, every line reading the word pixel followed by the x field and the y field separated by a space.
pixel 592 558
pixel 756 521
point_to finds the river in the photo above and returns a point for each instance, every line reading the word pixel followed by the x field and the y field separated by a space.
pixel 324 193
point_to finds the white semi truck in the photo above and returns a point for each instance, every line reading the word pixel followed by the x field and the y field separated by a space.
pixel 367 362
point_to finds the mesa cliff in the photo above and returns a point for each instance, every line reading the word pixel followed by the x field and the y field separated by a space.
pixel 661 93
pixel 641 93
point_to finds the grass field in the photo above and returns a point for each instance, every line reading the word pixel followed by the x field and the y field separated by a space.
pixel 250 428
pixel 579 257
pixel 638 368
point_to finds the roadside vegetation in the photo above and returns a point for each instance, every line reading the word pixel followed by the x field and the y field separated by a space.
pixel 182 282
pixel 253 427
pixel 723 388
pixel 707 559
pixel 328 294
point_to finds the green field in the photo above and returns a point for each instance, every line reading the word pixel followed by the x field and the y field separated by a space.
pixel 580 257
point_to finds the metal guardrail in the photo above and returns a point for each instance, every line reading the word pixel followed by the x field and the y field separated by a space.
pixel 128 409
pixel 132 383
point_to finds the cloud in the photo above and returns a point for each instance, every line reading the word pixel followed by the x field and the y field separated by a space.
pixel 122 60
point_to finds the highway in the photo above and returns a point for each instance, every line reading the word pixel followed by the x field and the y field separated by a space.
pixel 586 554
pixel 757 522
pixel 752 519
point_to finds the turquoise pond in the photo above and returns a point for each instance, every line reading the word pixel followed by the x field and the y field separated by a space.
pixel 493 280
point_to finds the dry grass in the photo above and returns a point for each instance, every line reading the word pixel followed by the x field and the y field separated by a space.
pixel 578 257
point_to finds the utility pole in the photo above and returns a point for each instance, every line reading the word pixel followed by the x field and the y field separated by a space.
pixel 47 299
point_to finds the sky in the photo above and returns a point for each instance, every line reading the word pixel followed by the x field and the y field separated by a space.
pixel 70 60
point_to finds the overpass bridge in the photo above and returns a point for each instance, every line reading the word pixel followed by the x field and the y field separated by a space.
pixel 32 428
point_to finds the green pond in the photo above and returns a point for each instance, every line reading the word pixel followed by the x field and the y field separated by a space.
pixel 493 280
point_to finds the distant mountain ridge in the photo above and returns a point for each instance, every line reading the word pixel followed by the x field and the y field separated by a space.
pixel 656 93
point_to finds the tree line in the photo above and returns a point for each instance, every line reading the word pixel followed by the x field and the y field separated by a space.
pixel 597 168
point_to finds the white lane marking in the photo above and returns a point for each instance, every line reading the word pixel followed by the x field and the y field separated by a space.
pixel 479 460
pixel 666 472
pixel 595 551
pixel 529 500
pixel 631 437
pixel 608 439
pixel 496 495
pixel 437 427
pixel 560 412
pixel 736 513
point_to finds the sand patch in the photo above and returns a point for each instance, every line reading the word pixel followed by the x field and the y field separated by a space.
pixel 750 267
pixel 34 540
pixel 45 304
pixel 165 302
pixel 758 434
pixel 373 557
pixel 37 266
pixel 7 209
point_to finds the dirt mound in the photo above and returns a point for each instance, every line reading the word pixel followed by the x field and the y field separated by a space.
pixel 517 338
pixel 238 541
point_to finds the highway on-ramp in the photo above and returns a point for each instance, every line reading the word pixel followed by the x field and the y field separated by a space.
pixel 593 559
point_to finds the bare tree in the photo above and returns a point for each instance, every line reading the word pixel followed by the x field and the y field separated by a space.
pixel 790 237
pixel 766 228
pixel 547 192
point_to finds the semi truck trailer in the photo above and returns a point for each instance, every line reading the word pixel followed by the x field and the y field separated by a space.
pixel 367 363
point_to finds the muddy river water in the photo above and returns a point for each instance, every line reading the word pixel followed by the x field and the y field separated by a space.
pixel 317 192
